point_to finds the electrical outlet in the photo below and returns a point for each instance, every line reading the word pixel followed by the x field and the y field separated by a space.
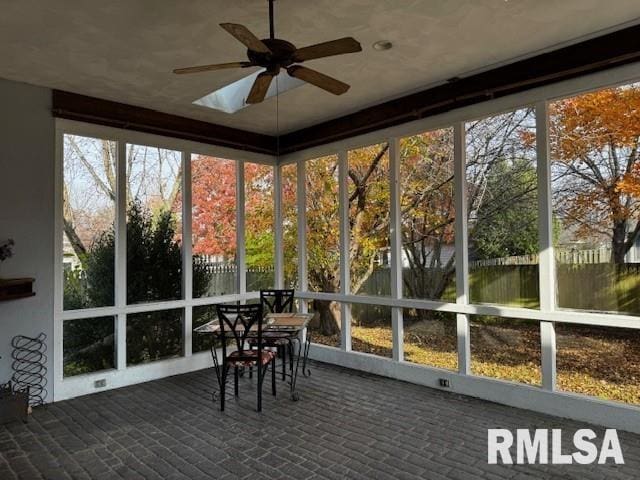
pixel 100 383
pixel 444 382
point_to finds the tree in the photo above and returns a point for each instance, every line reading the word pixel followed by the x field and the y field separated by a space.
pixel 427 212
pixel 214 213
pixel 368 196
pixel 501 185
pixel 595 139
pixel 89 191
pixel 214 206
pixel 510 229
pixel 154 273
pixel 259 216
pixel 290 224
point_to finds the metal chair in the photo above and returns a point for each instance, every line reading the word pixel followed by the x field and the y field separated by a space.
pixel 243 323
pixel 278 301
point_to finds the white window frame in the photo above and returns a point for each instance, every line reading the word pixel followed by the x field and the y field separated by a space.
pixel 543 398
pixel 547 315
pixel 122 375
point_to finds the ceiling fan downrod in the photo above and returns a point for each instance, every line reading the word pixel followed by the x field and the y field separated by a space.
pixel 271 22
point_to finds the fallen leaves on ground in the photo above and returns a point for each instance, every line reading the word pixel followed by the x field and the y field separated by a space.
pixel 594 361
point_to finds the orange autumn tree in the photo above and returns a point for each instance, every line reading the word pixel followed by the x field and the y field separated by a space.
pixel 214 210
pixel 289 190
pixel 259 225
pixel 427 212
pixel 368 197
pixel 594 141
pixel 214 206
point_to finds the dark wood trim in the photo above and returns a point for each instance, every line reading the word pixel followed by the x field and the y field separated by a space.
pixel 113 114
pixel 600 53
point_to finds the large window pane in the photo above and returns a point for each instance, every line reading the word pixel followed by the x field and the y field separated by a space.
pixel 323 243
pixel 323 224
pixel 213 226
pixel 321 310
pixel 88 345
pixel 596 186
pixel 89 192
pixel 371 330
pixel 290 224
pixel 599 361
pixel 154 336
pixel 259 224
pixel 369 208
pixel 201 315
pixel 506 348
pixel 428 215
pixel 503 209
pixel 430 338
pixel 154 224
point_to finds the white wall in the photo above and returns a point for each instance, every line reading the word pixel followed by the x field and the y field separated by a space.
pixel 27 213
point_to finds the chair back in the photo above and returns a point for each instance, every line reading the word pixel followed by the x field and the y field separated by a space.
pixel 277 301
pixel 237 321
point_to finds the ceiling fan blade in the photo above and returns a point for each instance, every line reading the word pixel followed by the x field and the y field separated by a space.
pixel 260 87
pixel 218 66
pixel 242 34
pixel 318 79
pixel 327 49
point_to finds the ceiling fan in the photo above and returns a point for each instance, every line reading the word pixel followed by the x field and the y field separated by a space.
pixel 274 54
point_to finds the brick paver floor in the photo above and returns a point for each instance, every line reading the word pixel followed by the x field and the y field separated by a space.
pixel 346 425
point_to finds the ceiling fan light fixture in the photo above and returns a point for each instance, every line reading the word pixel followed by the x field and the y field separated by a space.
pixel 382 45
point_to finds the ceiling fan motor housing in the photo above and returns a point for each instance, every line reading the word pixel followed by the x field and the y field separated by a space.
pixel 281 55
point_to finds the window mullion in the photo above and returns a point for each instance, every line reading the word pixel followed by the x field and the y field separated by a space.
pixel 277 220
pixel 187 247
pixel 546 270
pixel 395 233
pixel 120 283
pixel 241 263
pixel 461 248
pixel 301 199
pixel 345 279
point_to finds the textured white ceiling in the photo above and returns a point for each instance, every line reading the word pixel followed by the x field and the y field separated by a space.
pixel 124 50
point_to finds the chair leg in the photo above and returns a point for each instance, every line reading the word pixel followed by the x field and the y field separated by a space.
pixel 250 372
pixel 290 347
pixel 273 377
pixel 261 373
pixel 223 384
pixel 235 381
pixel 283 349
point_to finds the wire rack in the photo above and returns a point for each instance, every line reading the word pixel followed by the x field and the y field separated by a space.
pixel 29 366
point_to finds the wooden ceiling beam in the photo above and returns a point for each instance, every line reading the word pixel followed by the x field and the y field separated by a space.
pixel 113 114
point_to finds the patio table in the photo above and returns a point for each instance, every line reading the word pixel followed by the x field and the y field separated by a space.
pixel 288 326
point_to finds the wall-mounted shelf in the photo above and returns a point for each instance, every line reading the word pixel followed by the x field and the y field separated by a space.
pixel 15 288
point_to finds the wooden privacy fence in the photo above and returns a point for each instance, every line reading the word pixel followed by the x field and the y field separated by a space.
pixel 587 286
pixel 223 278
pixel 568 256
pixel 584 281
